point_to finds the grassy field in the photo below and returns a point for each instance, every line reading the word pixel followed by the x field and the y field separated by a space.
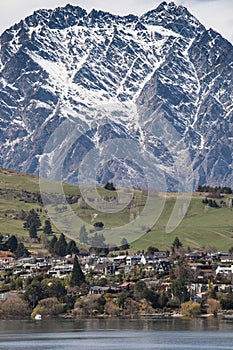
pixel 202 226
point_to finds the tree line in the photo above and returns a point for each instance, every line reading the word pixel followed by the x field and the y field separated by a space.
pixel 214 190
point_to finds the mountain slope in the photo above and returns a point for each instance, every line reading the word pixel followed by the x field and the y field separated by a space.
pixel 202 225
pixel 159 86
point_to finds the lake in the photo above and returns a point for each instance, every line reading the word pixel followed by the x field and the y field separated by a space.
pixel 197 334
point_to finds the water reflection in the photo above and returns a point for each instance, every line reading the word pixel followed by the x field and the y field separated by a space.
pixel 115 334
pixel 60 325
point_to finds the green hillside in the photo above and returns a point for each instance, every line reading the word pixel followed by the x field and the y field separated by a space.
pixel 202 226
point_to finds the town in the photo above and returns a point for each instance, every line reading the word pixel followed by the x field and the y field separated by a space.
pixel 113 283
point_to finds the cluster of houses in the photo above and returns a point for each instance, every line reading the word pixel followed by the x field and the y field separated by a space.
pixel 207 268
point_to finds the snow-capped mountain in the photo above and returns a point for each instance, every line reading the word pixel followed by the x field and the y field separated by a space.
pixel 158 88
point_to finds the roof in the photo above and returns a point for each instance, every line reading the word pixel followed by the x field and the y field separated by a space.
pixel 127 284
pixel 6 253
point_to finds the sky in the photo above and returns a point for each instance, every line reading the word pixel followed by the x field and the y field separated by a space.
pixel 216 14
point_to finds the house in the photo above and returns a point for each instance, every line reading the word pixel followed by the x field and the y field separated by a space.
pixel 120 259
pixel 6 257
pixel 103 290
pixel 224 270
pixel 133 260
pixel 163 266
pixel 60 271
pixel 43 266
pixel 109 269
pixel 149 268
pixel 197 288
pixel 143 260
pixel 99 290
pixel 202 270
pixel 160 254
pixel 226 259
pixel 194 256
pixel 9 295
pixel 126 285
pixel 89 267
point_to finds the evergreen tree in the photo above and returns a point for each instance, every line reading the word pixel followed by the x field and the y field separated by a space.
pixel 83 237
pixel 180 290
pixel 53 287
pixel 32 219
pixel 52 244
pixel 110 187
pixel 98 225
pixel 12 244
pixel 33 293
pixel 205 201
pixel 33 231
pixel 72 248
pixel 60 246
pixel 177 243
pixel 21 251
pixel 152 250
pixel 47 229
pixel 98 241
pixel 77 276
pixel 124 244
pixel 140 290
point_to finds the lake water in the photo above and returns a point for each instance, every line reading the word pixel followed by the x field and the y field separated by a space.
pixel 198 334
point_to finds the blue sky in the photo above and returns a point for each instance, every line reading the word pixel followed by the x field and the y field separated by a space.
pixel 217 14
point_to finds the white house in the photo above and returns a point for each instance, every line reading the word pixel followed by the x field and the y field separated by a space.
pixel 132 260
pixel 224 270
pixel 60 270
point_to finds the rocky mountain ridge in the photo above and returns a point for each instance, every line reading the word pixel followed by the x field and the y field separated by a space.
pixel 157 87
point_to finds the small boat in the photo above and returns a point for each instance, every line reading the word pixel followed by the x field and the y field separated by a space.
pixel 38 317
pixel 229 317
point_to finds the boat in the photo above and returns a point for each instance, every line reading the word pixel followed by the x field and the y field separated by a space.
pixel 38 317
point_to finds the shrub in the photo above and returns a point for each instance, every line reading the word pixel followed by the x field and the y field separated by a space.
pixel 48 307
pixel 190 308
pixel 213 306
pixel 14 308
pixel 90 305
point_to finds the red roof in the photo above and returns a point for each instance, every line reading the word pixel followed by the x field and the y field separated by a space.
pixel 6 253
pixel 127 284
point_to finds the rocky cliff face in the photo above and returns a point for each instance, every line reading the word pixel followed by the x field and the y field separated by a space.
pixel 142 95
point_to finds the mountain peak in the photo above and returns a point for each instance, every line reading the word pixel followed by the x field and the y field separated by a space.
pixel 173 17
pixel 59 18
pixel 166 6
pixel 171 7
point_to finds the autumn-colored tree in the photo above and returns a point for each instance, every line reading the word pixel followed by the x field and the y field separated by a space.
pixel 190 308
pixel 91 305
pixel 48 307
pixel 213 306
pixel 14 308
